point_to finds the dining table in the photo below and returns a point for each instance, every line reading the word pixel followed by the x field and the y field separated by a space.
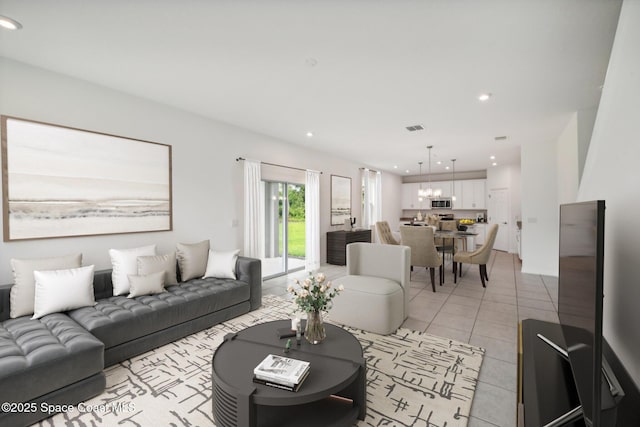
pixel 455 236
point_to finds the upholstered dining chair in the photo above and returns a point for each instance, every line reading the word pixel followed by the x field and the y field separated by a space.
pixel 384 233
pixel 447 244
pixel 423 250
pixel 480 256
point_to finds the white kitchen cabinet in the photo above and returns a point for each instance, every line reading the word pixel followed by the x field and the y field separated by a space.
pixel 480 193
pixel 410 199
pixel 474 194
pixel 481 229
pixel 445 188
pixel 457 203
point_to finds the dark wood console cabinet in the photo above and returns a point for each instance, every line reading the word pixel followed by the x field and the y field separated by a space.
pixel 337 242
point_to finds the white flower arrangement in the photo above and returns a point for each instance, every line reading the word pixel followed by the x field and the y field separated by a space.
pixel 313 294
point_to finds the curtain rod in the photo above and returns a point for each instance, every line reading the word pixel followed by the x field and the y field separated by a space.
pixel 274 164
pixel 372 170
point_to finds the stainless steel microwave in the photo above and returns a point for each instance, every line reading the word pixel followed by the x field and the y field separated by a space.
pixel 441 204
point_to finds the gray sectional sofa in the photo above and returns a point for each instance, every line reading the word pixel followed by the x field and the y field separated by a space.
pixel 59 358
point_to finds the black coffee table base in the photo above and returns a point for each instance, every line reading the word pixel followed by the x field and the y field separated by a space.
pixel 334 394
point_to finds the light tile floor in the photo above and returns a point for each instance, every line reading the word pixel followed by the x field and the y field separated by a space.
pixel 484 317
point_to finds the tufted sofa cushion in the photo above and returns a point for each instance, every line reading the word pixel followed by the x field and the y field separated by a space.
pixel 40 356
pixel 117 320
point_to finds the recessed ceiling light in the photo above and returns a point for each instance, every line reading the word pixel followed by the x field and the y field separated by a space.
pixel 447 167
pixel 484 97
pixel 395 166
pixel 494 164
pixel 438 162
pixel 407 171
pixel 309 134
pixel 9 24
pixel 492 157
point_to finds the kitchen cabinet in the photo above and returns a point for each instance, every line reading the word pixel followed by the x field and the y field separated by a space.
pixel 457 203
pixel 481 229
pixel 443 186
pixel 410 199
pixel 474 194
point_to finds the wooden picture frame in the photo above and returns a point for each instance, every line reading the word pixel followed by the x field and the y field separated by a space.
pixel 340 199
pixel 59 181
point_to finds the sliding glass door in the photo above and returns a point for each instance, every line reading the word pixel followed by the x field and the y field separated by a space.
pixel 284 228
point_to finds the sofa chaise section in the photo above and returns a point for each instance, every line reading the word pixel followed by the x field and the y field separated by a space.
pixel 48 361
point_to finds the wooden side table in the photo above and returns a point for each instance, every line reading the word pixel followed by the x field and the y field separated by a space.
pixel 337 242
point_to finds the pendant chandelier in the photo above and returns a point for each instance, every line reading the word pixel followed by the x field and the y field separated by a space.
pixel 422 194
pixel 431 193
pixel 453 181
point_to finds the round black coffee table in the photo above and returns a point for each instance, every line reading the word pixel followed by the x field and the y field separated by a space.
pixel 334 393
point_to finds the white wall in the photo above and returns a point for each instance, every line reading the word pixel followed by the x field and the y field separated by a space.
pixel 586 121
pixel 539 208
pixel 612 173
pixel 568 157
pixel 207 181
pixel 392 199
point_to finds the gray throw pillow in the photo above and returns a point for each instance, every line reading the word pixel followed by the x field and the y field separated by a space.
pixel 146 285
pixel 154 264
pixel 23 289
pixel 192 259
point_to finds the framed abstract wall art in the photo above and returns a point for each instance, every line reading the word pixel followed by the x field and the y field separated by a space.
pixel 340 199
pixel 63 182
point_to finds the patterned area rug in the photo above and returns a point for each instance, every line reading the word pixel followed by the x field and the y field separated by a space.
pixel 413 379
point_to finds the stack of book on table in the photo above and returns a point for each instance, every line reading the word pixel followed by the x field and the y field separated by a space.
pixel 281 372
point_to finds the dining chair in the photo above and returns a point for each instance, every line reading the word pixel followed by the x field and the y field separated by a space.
pixel 384 233
pixel 443 244
pixel 480 256
pixel 423 250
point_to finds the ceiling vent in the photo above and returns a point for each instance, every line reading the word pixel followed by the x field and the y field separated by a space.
pixel 414 128
pixel 500 138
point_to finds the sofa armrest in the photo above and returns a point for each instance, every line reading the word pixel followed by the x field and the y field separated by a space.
pixel 250 270
pixel 5 301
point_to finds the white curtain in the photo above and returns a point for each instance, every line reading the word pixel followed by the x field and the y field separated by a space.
pixel 253 210
pixel 377 207
pixel 367 199
pixel 312 220
pixel 372 200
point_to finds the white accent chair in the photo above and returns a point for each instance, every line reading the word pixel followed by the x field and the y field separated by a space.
pixel 376 288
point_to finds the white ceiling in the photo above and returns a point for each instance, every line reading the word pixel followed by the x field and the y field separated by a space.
pixel 380 66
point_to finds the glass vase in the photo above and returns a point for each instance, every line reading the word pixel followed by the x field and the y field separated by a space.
pixel 314 331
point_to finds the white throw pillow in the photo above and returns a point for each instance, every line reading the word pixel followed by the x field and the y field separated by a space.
pixel 125 262
pixel 222 265
pixel 23 289
pixel 146 285
pixel 62 290
pixel 153 264
pixel 192 259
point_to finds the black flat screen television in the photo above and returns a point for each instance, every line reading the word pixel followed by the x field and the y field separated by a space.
pixel 580 301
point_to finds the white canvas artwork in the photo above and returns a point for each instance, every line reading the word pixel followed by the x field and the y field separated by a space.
pixel 340 199
pixel 62 182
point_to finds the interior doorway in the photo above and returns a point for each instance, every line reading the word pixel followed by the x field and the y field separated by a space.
pixel 498 213
pixel 284 228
